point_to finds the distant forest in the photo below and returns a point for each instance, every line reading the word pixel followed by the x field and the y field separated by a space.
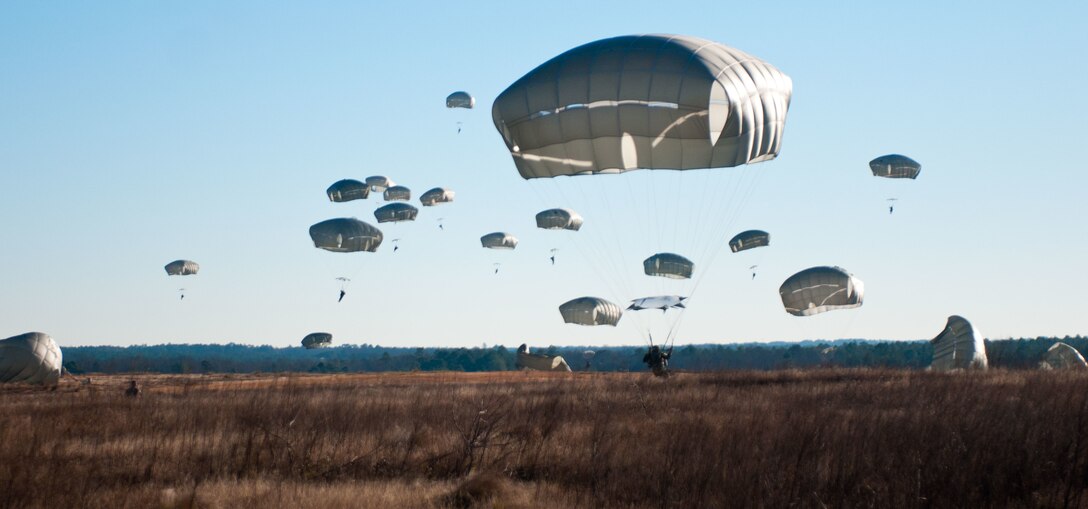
pixel 1024 353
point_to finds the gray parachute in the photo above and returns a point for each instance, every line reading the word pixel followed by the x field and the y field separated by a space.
pixel 348 190
pixel 643 101
pixel 460 99
pixel 959 346
pixel 379 183
pixel 499 240
pixel 182 268
pixel 345 235
pixel 668 265
pixel 317 340
pixel 540 362
pixel 661 302
pixel 590 311
pixel 819 289
pixel 397 193
pixel 435 196
pixel 396 212
pixel 1062 356
pixel 32 358
pixel 895 166
pixel 749 239
pixel 559 219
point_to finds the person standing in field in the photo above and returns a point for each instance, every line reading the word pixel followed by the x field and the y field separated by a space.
pixel 132 391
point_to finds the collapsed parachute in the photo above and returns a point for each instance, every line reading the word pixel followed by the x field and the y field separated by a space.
pixel 749 239
pixel 670 265
pixel 662 302
pixel 436 196
pixel 348 190
pixel 32 358
pixel 1062 356
pixel 590 311
pixel 182 268
pixel 317 340
pixel 397 193
pixel 379 183
pixel 643 101
pixel 559 219
pixel 345 235
pixel 499 240
pixel 396 212
pixel 460 99
pixel 819 289
pixel 895 166
pixel 539 362
pixel 958 346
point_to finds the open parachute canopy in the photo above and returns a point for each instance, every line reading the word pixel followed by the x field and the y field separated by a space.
pixel 661 302
pixel 397 193
pixel 348 190
pixel 559 219
pixel 379 183
pixel 345 235
pixel 182 268
pixel 499 240
pixel 749 239
pixel 396 212
pixel 460 99
pixel 819 289
pixel 590 311
pixel 317 340
pixel 32 358
pixel 959 346
pixel 668 265
pixel 643 101
pixel 435 196
pixel 1063 356
pixel 895 166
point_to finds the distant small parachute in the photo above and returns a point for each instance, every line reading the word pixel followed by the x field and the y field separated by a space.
pixel 348 190
pixel 590 311
pixel 819 289
pixel 182 268
pixel 895 166
pixel 397 193
pixel 539 362
pixel 435 196
pixel 499 240
pixel 32 358
pixel 668 265
pixel 749 239
pixel 559 219
pixel 379 183
pixel 460 99
pixel 959 346
pixel 317 340
pixel 345 235
pixel 662 302
pixel 1062 356
pixel 396 212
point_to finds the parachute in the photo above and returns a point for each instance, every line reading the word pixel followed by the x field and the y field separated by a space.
pixel 317 340
pixel 499 240
pixel 345 235
pixel 590 311
pixel 559 219
pixel 538 362
pixel 662 302
pixel 958 346
pixel 668 265
pixel 348 190
pixel 819 289
pixel 643 101
pixel 435 196
pixel 32 358
pixel 182 268
pixel 396 212
pixel 397 193
pixel 460 100
pixel 749 239
pixel 895 166
pixel 1063 356
pixel 379 183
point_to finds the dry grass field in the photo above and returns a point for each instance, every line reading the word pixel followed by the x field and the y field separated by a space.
pixel 826 438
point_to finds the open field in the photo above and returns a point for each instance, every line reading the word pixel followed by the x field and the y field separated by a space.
pixel 817 438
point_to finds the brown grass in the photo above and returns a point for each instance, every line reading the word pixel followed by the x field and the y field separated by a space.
pixel 834 438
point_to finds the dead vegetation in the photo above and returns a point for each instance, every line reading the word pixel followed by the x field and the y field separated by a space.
pixel 819 438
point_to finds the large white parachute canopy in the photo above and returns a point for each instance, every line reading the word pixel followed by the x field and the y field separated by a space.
pixel 435 196
pixel 819 289
pixel 32 358
pixel 1063 356
pixel 590 311
pixel 643 101
pixel 317 340
pixel 397 193
pixel 662 302
pixel 396 212
pixel 559 219
pixel 499 240
pixel 345 235
pixel 749 239
pixel 182 268
pixel 460 99
pixel 895 166
pixel 668 265
pixel 958 346
pixel 379 183
pixel 348 190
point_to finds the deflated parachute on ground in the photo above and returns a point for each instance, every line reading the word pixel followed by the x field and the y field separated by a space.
pixel 396 212
pixel 749 239
pixel 345 235
pixel 895 166
pixel 182 268
pixel 668 265
pixel 559 219
pixel 590 311
pixel 643 101
pixel 32 358
pixel 1063 356
pixel 317 340
pixel 348 190
pixel 819 289
pixel 959 346
pixel 539 362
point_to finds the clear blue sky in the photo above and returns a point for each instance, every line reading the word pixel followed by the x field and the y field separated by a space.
pixel 136 133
